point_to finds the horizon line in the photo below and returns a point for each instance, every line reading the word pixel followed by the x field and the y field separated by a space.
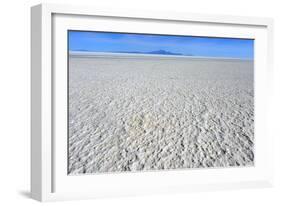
pixel 92 53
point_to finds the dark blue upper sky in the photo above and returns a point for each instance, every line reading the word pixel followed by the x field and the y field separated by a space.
pixel 186 45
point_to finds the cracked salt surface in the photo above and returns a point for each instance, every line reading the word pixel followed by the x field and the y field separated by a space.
pixel 136 114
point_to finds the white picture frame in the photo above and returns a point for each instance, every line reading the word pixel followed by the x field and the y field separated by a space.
pixel 49 179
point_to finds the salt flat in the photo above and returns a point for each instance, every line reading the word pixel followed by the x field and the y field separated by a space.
pixel 140 113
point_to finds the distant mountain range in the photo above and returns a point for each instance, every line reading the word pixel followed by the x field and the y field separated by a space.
pixel 163 52
pixel 159 52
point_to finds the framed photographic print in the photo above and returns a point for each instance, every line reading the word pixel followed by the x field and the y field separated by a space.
pixel 132 102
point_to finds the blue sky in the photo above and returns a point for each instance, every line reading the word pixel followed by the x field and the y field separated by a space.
pixel 186 45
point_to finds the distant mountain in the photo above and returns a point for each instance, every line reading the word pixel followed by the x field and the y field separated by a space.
pixel 162 52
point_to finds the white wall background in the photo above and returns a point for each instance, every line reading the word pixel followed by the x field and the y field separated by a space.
pixel 15 104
